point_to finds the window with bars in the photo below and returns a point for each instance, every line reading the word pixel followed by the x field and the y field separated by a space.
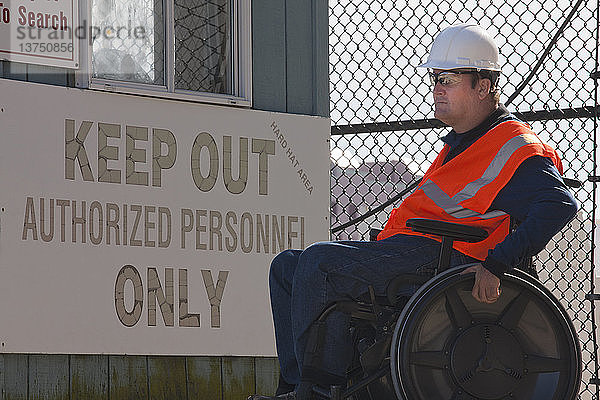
pixel 181 48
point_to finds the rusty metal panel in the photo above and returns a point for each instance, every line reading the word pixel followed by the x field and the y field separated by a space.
pixel 238 377
pixel 167 378
pixel 89 377
pixel 204 378
pixel 48 377
pixel 128 378
pixel 13 376
pixel 267 374
pixel 102 377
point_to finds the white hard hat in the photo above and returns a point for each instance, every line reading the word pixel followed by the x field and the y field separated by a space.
pixel 463 46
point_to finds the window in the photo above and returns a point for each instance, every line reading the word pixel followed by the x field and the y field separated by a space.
pixel 186 49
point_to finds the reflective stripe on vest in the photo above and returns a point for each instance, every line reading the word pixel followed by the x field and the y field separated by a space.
pixel 451 204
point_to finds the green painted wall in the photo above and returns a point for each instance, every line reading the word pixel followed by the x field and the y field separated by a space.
pixel 290 56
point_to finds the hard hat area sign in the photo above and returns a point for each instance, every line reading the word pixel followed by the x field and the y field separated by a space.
pixel 163 215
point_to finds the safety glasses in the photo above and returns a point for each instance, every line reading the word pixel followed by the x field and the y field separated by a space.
pixel 447 78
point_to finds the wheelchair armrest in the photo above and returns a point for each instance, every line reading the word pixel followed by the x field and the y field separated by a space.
pixel 572 183
pixel 373 232
pixel 459 232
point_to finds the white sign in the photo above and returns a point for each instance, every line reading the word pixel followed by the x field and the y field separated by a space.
pixel 40 32
pixel 143 226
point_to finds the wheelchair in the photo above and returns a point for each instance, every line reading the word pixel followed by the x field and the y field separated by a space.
pixel 442 344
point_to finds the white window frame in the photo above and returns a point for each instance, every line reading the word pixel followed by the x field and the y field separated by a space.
pixel 241 45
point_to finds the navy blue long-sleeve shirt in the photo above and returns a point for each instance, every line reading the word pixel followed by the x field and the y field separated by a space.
pixel 535 196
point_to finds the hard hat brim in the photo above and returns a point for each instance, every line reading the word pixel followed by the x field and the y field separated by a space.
pixel 451 66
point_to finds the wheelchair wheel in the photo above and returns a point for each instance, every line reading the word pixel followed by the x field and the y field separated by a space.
pixel 447 345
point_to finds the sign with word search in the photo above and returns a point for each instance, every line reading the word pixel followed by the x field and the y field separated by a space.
pixel 132 225
pixel 39 32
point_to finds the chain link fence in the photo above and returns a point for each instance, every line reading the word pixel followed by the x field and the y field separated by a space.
pixel 384 137
pixel 128 41
pixel 202 46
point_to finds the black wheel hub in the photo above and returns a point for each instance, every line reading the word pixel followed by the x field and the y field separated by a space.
pixel 486 361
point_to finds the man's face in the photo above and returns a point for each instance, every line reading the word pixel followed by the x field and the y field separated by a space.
pixel 454 98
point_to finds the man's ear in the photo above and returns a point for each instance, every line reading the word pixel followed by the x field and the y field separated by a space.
pixel 484 87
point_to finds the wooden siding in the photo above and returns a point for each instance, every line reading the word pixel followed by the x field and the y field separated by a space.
pixel 96 377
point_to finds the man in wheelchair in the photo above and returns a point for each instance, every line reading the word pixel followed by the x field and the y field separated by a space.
pixel 492 169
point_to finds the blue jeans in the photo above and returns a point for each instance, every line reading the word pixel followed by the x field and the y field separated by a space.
pixel 303 283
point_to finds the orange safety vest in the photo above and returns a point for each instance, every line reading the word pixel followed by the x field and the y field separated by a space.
pixel 463 189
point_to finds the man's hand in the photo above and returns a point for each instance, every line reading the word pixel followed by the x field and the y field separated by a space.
pixel 487 285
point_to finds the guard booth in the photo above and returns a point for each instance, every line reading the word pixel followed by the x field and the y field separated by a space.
pixel 154 157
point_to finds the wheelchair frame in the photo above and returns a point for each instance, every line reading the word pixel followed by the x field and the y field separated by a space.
pixel 370 374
